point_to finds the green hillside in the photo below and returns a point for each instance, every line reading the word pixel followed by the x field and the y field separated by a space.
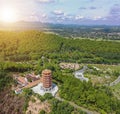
pixel 28 51
pixel 29 45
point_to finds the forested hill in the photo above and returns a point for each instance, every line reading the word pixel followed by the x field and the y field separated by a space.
pixel 30 45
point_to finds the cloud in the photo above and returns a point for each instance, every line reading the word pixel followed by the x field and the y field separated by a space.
pixel 46 1
pixel 87 8
pixel 33 18
pixel 63 19
pixel 82 8
pixel 114 13
pixel 58 12
pixel 91 0
pixel 78 17
pixel 44 15
pixel 92 8
pixel 115 10
pixel 97 18
pixel 68 17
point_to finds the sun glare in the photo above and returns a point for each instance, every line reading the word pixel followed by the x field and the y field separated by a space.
pixel 8 15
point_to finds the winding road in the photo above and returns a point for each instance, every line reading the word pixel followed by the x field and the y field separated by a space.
pixel 115 82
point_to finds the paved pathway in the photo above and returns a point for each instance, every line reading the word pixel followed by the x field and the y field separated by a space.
pixel 115 82
pixel 80 74
pixel 82 70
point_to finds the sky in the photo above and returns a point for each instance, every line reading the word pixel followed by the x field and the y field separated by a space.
pixel 96 12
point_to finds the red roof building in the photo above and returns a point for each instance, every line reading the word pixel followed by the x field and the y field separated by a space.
pixel 32 77
pixel 22 81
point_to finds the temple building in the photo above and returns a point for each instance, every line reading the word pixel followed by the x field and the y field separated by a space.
pixel 46 85
pixel 47 79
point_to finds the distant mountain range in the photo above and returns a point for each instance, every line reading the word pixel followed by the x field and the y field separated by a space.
pixel 23 25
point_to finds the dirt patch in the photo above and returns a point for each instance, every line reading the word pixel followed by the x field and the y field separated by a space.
pixel 10 104
pixel 36 106
pixel 69 66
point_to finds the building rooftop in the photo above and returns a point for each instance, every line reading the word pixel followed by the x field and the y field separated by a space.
pixel 32 84
pixel 22 80
pixel 46 71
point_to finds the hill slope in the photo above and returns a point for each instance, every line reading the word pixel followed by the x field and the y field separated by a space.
pixel 27 45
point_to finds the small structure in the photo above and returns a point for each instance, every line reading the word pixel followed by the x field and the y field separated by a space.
pixel 18 91
pixel 22 81
pixel 32 77
pixel 46 86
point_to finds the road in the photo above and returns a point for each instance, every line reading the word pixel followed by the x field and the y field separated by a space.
pixel 115 82
pixel 82 70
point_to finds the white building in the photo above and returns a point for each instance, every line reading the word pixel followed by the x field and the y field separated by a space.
pixel 40 90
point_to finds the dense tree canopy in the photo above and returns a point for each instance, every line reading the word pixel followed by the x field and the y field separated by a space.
pixel 29 45
pixel 85 94
pixel 5 80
